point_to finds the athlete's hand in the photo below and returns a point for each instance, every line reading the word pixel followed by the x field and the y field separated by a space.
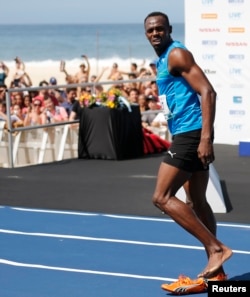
pixel 206 152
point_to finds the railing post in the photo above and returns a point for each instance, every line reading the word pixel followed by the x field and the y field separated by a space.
pixel 9 125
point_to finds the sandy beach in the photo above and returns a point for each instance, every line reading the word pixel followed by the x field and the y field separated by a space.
pixel 41 71
pixel 45 70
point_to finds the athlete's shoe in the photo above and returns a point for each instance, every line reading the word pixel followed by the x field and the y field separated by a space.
pixel 218 277
pixel 184 285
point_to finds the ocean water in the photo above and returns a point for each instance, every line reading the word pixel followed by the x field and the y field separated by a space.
pixel 102 43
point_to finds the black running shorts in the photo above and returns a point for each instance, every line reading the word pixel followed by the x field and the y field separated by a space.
pixel 183 152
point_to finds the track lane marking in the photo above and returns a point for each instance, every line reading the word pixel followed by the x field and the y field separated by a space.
pixel 86 238
pixel 39 266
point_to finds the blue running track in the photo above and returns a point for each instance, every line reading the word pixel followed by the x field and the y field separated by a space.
pixel 49 253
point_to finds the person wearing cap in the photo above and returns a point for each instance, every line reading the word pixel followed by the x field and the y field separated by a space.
pixel 189 103
pixel 153 109
pixel 59 94
pixel 152 66
pixel 53 81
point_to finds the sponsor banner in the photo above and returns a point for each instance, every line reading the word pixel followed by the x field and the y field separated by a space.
pixel 217 33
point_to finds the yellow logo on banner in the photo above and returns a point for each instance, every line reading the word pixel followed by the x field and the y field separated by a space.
pixel 209 15
pixel 236 29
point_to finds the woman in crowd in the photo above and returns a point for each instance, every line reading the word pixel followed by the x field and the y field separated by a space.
pixel 33 115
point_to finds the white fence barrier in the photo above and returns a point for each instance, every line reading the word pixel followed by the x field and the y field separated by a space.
pixel 37 146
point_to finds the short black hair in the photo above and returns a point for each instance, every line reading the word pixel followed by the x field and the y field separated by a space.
pixel 71 89
pixel 134 64
pixel 158 13
pixel 3 85
pixel 42 83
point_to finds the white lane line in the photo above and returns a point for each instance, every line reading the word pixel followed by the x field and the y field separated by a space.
pixel 39 266
pixel 55 211
pixel 120 216
pixel 76 237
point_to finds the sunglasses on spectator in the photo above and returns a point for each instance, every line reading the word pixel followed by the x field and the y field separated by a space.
pixel 37 104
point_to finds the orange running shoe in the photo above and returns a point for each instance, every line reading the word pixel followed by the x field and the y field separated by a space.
pixel 218 277
pixel 184 285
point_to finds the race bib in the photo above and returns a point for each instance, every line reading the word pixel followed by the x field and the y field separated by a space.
pixel 164 106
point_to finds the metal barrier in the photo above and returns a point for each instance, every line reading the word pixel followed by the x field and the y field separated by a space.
pixel 40 145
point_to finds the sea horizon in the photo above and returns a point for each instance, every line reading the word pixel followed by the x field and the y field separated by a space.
pixel 104 43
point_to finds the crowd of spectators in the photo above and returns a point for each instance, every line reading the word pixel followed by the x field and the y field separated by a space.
pixel 51 104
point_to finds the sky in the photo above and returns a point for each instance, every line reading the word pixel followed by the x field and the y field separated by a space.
pixel 87 11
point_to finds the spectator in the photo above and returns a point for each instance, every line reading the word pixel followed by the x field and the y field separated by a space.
pixel 115 74
pixel 27 103
pixel 159 125
pixel 150 114
pixel 4 72
pixel 133 96
pixel 133 70
pixel 154 88
pixel 18 99
pixel 33 116
pixel 3 115
pixel 53 113
pixel 131 85
pixel 159 120
pixel 148 91
pixel 59 94
pixel 95 78
pixel 98 89
pixel 75 112
pixel 70 100
pixel 143 103
pixel 70 79
pixel 144 74
pixel 153 68
pixel 13 96
pixel 17 117
pixel 53 81
pixel 3 88
pixel 43 94
pixel 83 75
pixel 21 79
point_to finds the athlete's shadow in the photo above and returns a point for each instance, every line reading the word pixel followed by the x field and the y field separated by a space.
pixel 243 277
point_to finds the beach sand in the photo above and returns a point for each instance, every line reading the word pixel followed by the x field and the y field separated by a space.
pixel 44 71
pixel 39 72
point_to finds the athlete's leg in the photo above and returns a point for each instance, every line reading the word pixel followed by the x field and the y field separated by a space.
pixel 170 179
pixel 195 189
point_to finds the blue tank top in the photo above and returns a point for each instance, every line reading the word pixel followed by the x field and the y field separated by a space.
pixel 2 77
pixel 182 101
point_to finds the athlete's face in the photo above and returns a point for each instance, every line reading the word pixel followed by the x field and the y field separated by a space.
pixel 158 32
